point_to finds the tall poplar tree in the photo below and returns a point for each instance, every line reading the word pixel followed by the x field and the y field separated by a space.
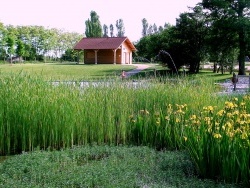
pixel 93 26
pixel 120 28
pixel 144 27
pixel 105 30
pixel 111 28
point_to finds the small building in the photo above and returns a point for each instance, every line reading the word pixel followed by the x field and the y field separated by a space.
pixel 106 50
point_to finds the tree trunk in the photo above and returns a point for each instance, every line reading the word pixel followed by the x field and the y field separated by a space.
pixel 215 67
pixel 242 45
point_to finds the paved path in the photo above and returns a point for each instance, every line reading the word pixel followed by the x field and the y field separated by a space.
pixel 139 68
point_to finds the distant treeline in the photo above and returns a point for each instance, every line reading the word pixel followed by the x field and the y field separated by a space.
pixel 36 43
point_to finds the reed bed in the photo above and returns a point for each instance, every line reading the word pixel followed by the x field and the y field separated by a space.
pixel 37 114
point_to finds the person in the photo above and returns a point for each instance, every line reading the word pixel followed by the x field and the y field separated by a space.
pixel 123 74
pixel 234 80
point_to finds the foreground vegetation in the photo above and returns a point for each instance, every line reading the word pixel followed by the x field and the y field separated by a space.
pixel 173 114
pixel 103 166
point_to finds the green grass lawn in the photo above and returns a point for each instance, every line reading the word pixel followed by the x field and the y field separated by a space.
pixel 72 71
pixel 66 71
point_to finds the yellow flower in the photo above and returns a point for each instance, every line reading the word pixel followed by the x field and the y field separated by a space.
pixel 167 118
pixel 230 134
pixel 235 99
pixel 243 116
pixel 242 104
pixel 217 135
pixel 177 120
pixel 169 108
pixel 185 138
pixel 229 105
pixel 193 117
pixel 210 108
pixel 207 120
pixel 220 113
pixel 244 136
pixel 242 122
pixel 236 112
pixel 209 130
pixel 145 112
pixel 229 125
pixel 180 111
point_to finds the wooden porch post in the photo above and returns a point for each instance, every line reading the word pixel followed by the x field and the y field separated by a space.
pixel 78 57
pixel 130 58
pixel 96 56
pixel 114 56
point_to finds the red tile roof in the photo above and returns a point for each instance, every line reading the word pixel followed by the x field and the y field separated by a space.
pixel 103 43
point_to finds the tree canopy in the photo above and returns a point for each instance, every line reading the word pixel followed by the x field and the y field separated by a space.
pixel 93 26
pixel 35 42
pixel 237 12
pixel 214 30
pixel 120 28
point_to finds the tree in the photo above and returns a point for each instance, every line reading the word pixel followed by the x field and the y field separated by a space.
pixel 166 25
pixel 155 29
pixel 93 26
pixel 149 46
pixel 120 28
pixel 10 41
pixel 144 27
pixel 160 29
pixel 218 41
pixel 105 30
pixel 191 32
pixel 111 28
pixel 20 50
pixel 2 42
pixel 10 45
pixel 150 30
pixel 72 55
pixel 238 11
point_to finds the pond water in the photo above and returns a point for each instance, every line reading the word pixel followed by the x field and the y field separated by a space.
pixel 85 84
pixel 242 86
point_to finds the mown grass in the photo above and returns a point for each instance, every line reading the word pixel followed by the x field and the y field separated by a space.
pixel 66 71
pixel 103 166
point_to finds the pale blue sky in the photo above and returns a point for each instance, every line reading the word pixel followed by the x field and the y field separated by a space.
pixel 71 15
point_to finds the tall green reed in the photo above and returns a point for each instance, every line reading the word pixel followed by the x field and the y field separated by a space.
pixel 36 113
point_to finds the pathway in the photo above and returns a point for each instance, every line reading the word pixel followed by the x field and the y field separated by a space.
pixel 139 68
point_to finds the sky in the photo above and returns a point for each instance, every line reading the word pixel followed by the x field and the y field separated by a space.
pixel 70 15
